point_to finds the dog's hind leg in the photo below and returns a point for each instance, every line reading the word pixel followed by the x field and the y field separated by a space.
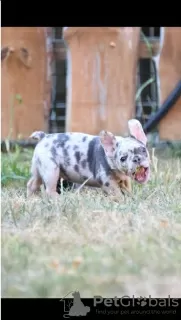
pixel 33 185
pixel 35 181
pixel 51 178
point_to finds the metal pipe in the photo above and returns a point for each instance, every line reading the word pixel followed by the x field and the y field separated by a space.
pixel 163 110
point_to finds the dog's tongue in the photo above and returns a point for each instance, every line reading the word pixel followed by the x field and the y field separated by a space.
pixel 140 174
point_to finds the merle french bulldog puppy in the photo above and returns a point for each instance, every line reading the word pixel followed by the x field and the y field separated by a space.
pixel 102 161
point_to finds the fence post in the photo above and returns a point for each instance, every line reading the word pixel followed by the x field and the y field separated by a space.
pixel 169 74
pixel 23 74
pixel 101 78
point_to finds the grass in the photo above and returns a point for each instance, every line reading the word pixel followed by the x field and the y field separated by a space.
pixel 86 242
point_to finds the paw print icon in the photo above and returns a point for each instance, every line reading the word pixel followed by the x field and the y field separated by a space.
pixel 141 301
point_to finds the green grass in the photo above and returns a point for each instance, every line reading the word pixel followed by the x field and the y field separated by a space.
pixel 15 166
pixel 86 242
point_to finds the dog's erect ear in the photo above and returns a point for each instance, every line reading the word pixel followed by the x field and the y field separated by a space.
pixel 108 142
pixel 136 130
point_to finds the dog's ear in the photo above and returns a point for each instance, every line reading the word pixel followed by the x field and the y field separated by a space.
pixel 108 142
pixel 136 130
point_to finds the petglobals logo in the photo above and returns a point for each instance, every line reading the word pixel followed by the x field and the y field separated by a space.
pixel 127 301
pixel 76 308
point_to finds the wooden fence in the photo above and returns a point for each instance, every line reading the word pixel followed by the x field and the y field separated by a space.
pixel 101 80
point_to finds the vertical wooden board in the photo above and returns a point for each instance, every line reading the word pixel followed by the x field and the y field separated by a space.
pixel 169 74
pixel 101 78
pixel 28 82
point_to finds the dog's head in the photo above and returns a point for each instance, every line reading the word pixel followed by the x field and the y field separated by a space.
pixel 128 155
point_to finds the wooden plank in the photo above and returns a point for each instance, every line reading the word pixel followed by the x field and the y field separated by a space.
pixel 169 71
pixel 24 73
pixel 101 78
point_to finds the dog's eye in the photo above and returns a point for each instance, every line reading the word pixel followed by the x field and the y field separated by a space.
pixel 141 149
pixel 123 158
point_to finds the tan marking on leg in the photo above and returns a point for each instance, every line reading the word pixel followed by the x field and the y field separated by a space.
pixel 113 190
pixel 126 184
pixel 123 181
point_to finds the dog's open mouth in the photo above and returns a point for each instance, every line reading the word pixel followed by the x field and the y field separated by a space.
pixel 141 174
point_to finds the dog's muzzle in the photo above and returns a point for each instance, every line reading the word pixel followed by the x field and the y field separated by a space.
pixel 141 174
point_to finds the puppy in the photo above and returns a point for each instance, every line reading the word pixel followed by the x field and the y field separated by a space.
pixel 103 161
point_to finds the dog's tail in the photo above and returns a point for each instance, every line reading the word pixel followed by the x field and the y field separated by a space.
pixel 38 135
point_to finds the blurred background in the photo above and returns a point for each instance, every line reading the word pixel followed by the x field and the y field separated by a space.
pixel 89 79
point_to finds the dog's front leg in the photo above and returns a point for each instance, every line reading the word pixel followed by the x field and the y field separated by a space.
pixel 126 185
pixel 112 189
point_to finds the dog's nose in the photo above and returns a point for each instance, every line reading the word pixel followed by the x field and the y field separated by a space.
pixel 137 159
